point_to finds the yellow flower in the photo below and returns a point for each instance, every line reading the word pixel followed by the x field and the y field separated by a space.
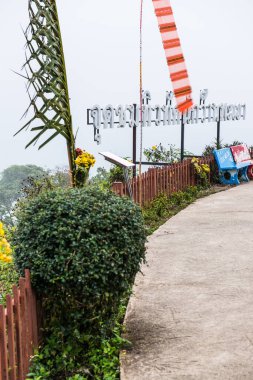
pixel 154 147
pixel 85 160
pixel 5 248
pixel 5 258
pixel 198 169
pixel 1 229
pixel 206 168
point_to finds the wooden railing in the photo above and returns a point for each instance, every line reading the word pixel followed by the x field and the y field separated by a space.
pixel 18 331
pixel 168 180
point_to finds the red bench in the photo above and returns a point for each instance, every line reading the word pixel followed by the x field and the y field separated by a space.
pixel 242 154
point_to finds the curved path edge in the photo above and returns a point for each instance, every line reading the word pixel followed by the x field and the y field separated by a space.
pixel 191 314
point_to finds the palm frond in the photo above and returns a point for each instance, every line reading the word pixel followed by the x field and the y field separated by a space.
pixel 46 77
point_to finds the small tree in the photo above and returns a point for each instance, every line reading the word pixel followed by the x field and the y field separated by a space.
pixel 11 183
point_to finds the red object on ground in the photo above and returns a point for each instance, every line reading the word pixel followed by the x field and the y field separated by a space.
pixel 250 172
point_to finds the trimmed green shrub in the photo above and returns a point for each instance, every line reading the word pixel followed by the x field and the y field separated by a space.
pixel 84 248
pixel 84 245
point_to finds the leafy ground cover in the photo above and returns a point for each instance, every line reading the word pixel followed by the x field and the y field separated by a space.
pixel 100 361
pixel 163 207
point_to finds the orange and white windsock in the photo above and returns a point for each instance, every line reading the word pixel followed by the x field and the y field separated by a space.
pixel 174 54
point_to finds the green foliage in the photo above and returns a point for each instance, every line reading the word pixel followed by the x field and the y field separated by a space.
pixel 202 172
pixel 33 186
pixel 60 178
pixel 214 173
pixel 11 183
pixel 84 248
pixel 16 174
pixel 8 273
pixel 158 153
pixel 19 182
pixel 8 277
pixel 101 179
pixel 61 233
pixel 104 179
pixel 47 80
pixel 208 150
pixel 163 207
pixel 99 354
pixel 103 359
pixel 116 173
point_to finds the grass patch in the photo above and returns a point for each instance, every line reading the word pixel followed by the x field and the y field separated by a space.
pixel 164 207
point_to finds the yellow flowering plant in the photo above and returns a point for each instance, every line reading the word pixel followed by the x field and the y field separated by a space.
pixel 5 248
pixel 84 161
pixel 202 170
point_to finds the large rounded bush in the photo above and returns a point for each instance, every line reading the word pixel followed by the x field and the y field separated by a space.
pixel 83 244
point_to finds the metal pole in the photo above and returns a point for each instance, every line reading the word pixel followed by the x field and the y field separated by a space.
pixel 134 141
pixel 128 183
pixel 218 131
pixel 141 105
pixel 182 138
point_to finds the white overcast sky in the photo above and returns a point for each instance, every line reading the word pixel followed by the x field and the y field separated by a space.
pixel 101 42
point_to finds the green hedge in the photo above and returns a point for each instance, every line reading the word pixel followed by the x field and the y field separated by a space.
pixel 84 248
pixel 82 244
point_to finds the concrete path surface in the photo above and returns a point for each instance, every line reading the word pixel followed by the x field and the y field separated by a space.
pixel 191 315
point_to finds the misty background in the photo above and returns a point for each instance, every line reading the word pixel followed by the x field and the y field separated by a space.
pixel 101 44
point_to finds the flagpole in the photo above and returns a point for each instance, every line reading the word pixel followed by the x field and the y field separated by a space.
pixel 141 107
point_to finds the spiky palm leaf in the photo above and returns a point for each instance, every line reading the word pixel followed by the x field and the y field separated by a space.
pixel 47 80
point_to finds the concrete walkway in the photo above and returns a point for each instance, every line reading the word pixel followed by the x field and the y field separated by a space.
pixel 192 313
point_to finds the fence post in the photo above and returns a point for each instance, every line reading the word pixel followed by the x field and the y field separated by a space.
pixel 19 331
pixel 169 179
pixel 118 188
pixel 11 342
pixel 155 183
pixel 3 345
pixel 16 295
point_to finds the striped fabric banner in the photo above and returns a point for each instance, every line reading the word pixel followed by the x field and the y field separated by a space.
pixel 174 54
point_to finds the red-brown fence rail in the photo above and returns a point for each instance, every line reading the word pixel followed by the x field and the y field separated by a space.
pixel 18 331
pixel 168 180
